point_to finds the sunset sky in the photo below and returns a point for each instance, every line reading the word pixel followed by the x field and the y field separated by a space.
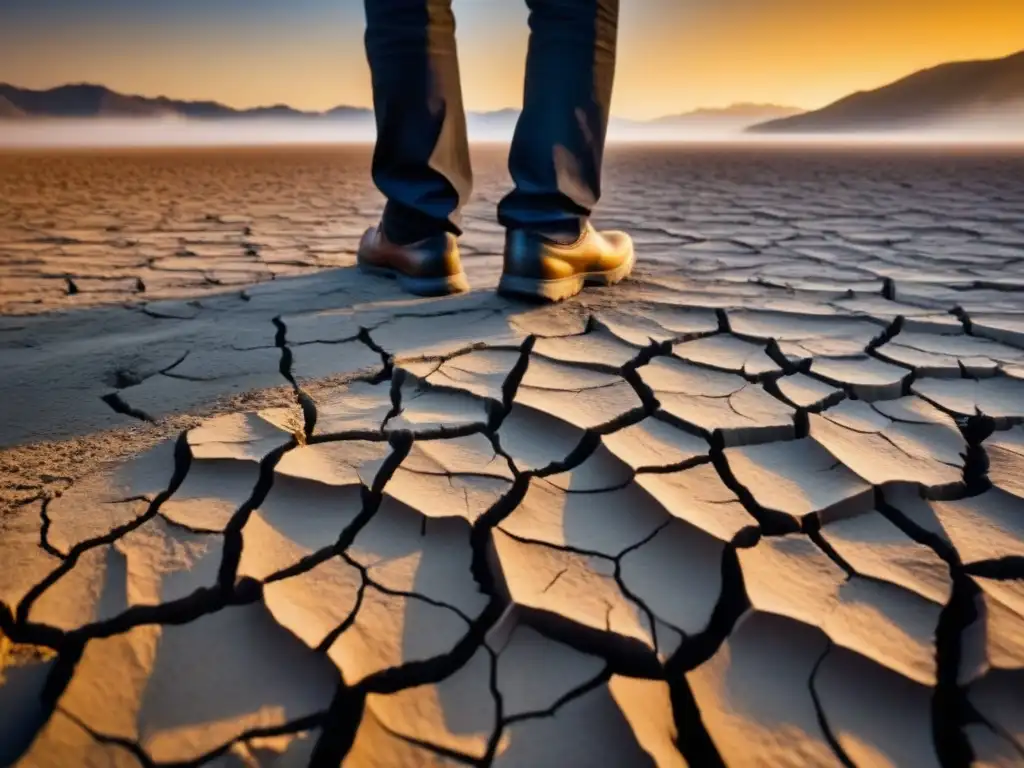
pixel 675 55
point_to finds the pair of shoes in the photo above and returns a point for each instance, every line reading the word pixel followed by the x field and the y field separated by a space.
pixel 535 267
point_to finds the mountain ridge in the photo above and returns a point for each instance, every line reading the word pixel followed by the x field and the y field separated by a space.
pixel 90 100
pixel 738 111
pixel 949 94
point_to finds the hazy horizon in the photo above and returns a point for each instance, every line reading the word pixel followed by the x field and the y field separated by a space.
pixel 156 133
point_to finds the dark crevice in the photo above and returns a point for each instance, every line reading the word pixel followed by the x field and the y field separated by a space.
pixel 309 412
pixel 128 745
pixel 933 541
pixel 60 675
pixel 1009 568
pixel 182 462
pixel 750 378
pixel 976 430
pixel 340 724
pixel 404 594
pixel 305 402
pixel 174 365
pixel 777 356
pixel 118 405
pixel 233 530
pixel 625 655
pixel 398 379
pixel 694 742
pixel 480 534
pixel 965 319
pixel 510 387
pixel 331 638
pixel 583 450
pixel 567 698
pixel 819 711
pixel 436 749
pixel 499 708
pixel 44 530
pixel 888 334
pixel 202 602
pixel 432 671
pixel 125 378
pixel 326 342
pixel 628 419
pixel 591 685
pixel 309 562
pixel 801 423
pixel 950 706
pixel 630 372
pixel 362 435
pixel 772 522
pixel 281 342
pixel 401 444
pixel 668 469
pixel 814 534
pixel 387 360
pixel 732 604
pixel 889 289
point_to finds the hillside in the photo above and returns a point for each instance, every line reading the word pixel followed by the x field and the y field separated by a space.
pixel 949 95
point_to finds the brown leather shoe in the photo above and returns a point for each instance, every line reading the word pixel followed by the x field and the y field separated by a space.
pixel 428 267
pixel 537 268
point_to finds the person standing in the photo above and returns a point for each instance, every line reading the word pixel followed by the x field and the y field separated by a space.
pixel 421 159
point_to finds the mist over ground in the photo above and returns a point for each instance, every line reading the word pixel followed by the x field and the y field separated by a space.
pixel 129 133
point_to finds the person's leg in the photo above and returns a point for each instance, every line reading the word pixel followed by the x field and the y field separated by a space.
pixel 421 160
pixel 558 146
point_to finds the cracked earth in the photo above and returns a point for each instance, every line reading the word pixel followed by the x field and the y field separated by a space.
pixel 760 505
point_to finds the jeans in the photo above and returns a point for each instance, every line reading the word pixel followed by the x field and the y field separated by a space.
pixel 421 160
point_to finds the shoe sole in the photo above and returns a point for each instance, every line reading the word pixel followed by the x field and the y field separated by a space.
pixel 564 287
pixel 421 286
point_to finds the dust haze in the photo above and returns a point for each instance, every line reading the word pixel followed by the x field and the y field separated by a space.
pixel 127 133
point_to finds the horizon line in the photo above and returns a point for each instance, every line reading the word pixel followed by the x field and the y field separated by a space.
pixel 324 111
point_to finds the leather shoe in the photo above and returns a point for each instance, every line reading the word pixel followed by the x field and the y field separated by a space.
pixel 429 267
pixel 538 268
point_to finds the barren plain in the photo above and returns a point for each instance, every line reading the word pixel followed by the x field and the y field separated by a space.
pixel 760 505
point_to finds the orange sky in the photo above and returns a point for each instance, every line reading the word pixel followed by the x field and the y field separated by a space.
pixel 675 55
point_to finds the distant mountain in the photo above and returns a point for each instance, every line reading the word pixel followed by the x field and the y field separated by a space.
pixel 957 94
pixel 714 120
pixel 350 113
pixel 85 100
pixel 736 116
pixel 80 101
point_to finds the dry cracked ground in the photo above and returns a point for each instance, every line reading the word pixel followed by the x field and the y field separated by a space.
pixel 761 505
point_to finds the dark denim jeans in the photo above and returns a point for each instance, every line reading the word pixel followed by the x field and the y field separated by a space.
pixel 421 161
